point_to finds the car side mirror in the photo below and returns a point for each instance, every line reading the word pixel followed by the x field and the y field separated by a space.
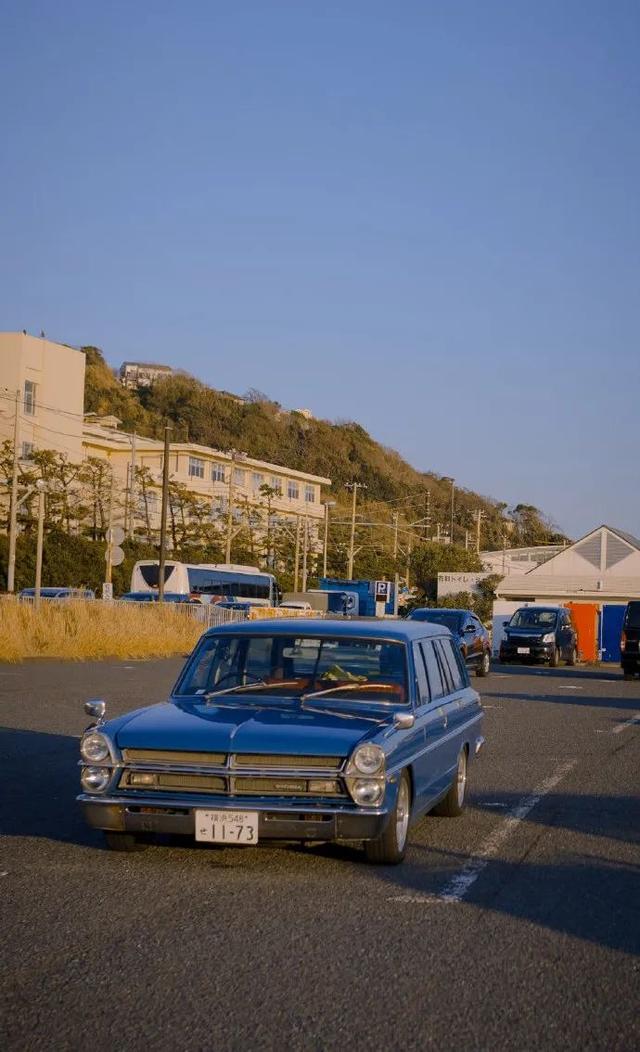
pixel 505 624
pixel 96 709
pixel 403 721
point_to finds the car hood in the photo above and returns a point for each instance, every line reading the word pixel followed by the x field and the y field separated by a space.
pixel 246 728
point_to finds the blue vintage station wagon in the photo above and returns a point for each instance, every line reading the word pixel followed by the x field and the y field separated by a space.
pixel 291 730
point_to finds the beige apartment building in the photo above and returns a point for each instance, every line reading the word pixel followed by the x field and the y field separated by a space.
pixel 48 380
pixel 43 382
pixel 212 475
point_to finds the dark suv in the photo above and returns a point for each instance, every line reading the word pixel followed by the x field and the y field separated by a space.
pixel 469 633
pixel 540 633
pixel 630 641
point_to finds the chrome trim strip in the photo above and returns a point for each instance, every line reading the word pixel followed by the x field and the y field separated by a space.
pixel 434 745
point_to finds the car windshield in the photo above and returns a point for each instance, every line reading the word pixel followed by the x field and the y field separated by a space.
pixel 447 618
pixel 529 618
pixel 290 666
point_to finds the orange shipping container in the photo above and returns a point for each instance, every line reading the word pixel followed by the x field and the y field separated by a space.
pixel 585 619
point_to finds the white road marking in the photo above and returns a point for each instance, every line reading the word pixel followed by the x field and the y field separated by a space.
pixel 490 803
pixel 627 723
pixel 563 687
pixel 459 885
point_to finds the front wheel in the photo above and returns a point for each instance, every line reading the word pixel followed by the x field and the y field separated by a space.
pixel 485 665
pixel 389 848
pixel 573 656
pixel 554 660
pixel 453 803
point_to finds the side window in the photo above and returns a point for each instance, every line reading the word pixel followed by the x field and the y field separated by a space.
pixel 452 666
pixel 421 675
pixel 433 670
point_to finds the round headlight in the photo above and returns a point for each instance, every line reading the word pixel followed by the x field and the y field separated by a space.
pixel 368 759
pixel 95 779
pixel 367 793
pixel 94 747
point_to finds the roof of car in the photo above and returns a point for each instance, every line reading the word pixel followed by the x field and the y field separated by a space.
pixel 439 610
pixel 357 628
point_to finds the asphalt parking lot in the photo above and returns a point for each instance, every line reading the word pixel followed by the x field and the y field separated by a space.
pixel 516 926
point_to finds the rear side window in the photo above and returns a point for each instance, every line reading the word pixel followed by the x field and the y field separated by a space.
pixel 436 684
pixel 452 664
pixel 632 616
pixel 421 675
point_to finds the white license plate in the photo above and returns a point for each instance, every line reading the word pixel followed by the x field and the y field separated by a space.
pixel 227 827
pixel 524 650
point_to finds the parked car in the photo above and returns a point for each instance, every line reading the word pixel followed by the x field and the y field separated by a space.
pixel 540 633
pixel 58 593
pixel 291 730
pixel 469 632
pixel 152 597
pixel 630 640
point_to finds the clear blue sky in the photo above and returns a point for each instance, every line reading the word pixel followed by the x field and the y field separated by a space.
pixel 421 215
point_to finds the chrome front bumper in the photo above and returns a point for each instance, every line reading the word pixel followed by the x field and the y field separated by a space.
pixel 295 820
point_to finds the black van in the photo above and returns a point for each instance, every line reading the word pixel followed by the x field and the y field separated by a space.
pixel 630 641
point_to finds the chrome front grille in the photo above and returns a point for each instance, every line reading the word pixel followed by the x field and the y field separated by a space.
pixel 175 757
pixel 153 770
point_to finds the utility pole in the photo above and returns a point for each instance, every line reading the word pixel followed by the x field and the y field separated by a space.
pixel 163 511
pixel 132 487
pixel 408 561
pixel 305 546
pixel 354 486
pixel 297 555
pixel 453 485
pixel 13 518
pixel 480 516
pixel 395 517
pixel 328 504
pixel 235 456
pixel 42 488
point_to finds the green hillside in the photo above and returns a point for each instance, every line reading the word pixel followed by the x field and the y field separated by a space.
pixel 344 452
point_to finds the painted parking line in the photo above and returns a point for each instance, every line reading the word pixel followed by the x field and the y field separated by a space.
pixel 459 885
pixel 620 727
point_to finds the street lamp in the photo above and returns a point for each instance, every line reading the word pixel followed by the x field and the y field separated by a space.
pixel 327 504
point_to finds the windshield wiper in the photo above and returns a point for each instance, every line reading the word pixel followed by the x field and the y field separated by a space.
pixel 348 686
pixel 259 684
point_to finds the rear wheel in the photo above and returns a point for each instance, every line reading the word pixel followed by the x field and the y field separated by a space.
pixel 389 849
pixel 122 841
pixel 485 665
pixel 453 803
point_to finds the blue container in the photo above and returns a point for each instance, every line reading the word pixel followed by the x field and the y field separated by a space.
pixel 612 616
pixel 364 590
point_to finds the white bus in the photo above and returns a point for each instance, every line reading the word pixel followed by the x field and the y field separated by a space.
pixel 208 582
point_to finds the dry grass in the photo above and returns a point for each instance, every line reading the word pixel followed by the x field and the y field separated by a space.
pixel 80 631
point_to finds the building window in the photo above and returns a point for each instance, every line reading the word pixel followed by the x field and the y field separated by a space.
pixel 276 484
pixel 239 476
pixel 218 473
pixel 27 450
pixel 310 494
pixel 257 480
pixel 196 468
pixel 293 492
pixel 29 398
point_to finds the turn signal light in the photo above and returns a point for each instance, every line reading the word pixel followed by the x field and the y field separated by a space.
pixel 623 641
